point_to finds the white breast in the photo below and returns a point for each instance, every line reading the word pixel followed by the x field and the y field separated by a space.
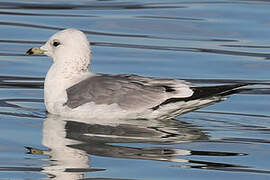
pixel 56 82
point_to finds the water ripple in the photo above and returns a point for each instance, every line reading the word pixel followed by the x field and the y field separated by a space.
pixel 95 6
pixel 265 56
pixel 43 14
pixel 231 136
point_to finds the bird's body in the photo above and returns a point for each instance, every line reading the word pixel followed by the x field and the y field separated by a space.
pixel 72 91
pixel 119 96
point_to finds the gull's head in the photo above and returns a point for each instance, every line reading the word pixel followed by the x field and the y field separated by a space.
pixel 69 47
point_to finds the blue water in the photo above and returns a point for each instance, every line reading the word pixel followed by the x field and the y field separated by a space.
pixel 207 42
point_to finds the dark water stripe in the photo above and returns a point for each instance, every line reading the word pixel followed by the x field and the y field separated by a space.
pixel 21 41
pixel 255 91
pixel 230 124
pixel 215 153
pixel 234 169
pixel 29 25
pixel 85 31
pixel 34 169
pixel 114 5
pixel 215 164
pixel 187 49
pixel 17 82
pixel 2 78
pixel 205 165
pixel 266 56
pixel 170 18
pixel 233 114
pixel 11 54
pixel 22 100
pixel 93 6
pixel 246 140
pixel 31 85
pixel 246 46
pixel 44 14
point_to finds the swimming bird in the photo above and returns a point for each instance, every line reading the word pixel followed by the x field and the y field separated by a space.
pixel 71 90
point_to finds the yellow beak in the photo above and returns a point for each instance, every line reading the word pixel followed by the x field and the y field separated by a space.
pixel 34 51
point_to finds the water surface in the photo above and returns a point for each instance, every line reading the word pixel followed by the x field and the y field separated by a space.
pixel 206 42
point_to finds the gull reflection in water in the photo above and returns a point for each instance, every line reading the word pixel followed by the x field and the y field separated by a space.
pixel 72 142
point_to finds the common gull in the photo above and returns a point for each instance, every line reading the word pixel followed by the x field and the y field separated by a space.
pixel 70 90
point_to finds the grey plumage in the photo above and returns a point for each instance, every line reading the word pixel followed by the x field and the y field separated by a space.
pixel 133 92
pixel 128 91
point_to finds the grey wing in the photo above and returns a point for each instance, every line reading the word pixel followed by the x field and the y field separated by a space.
pixel 128 91
pixel 134 92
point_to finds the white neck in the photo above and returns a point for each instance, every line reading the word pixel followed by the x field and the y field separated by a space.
pixel 57 80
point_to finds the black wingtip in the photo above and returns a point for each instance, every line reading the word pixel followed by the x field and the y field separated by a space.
pixel 205 92
pixel 210 91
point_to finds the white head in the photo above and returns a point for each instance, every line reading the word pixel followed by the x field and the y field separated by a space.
pixel 68 48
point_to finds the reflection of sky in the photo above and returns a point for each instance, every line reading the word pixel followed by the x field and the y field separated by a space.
pixel 191 39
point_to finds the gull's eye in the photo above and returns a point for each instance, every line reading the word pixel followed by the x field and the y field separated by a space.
pixel 56 43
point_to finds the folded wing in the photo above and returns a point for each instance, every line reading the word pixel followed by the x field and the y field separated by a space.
pixel 127 91
pixel 137 92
